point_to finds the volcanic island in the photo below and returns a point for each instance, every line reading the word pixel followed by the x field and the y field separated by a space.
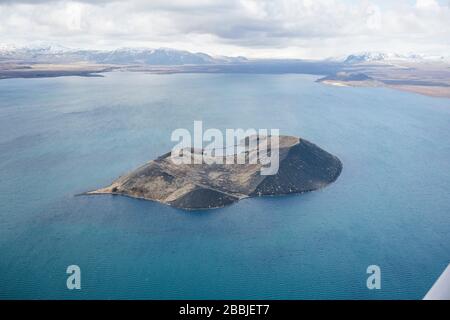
pixel 302 167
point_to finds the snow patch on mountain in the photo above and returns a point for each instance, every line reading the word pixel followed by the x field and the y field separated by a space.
pixel 367 57
pixel 162 56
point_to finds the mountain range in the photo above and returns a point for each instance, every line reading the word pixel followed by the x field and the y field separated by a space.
pixel 383 57
pixel 161 56
pixel 168 56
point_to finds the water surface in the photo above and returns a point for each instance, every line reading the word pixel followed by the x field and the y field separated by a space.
pixel 63 136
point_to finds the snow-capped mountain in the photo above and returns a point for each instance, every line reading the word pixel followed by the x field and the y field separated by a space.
pixel 388 57
pixel 161 56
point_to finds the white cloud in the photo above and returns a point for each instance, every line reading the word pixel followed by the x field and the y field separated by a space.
pixel 427 4
pixel 281 28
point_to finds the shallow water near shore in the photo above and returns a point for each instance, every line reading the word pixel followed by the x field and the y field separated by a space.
pixel 63 136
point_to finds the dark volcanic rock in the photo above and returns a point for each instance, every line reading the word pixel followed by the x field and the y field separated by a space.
pixel 201 198
pixel 303 167
pixel 306 167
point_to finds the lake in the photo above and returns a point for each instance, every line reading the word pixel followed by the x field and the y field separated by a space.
pixel 63 136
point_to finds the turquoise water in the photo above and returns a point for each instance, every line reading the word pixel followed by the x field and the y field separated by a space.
pixel 63 136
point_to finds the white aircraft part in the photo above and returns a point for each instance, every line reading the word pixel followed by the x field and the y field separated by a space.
pixel 441 288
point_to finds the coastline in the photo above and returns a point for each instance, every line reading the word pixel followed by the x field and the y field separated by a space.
pixel 429 91
pixel 392 77
pixel 31 71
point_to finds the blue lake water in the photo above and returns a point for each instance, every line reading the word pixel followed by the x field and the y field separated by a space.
pixel 63 136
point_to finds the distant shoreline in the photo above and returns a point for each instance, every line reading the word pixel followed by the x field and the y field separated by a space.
pixel 426 90
pixel 24 71
pixel 425 79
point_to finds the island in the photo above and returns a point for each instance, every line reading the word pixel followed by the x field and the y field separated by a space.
pixel 303 167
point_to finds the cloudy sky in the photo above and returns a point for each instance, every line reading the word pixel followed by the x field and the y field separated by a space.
pixel 253 28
